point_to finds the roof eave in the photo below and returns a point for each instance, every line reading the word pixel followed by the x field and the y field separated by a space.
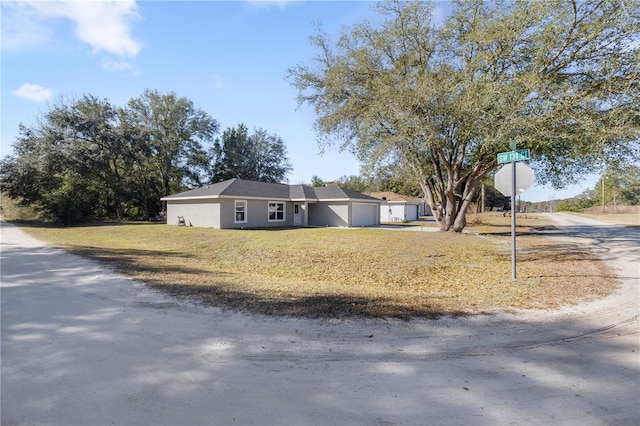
pixel 228 197
pixel 189 197
pixel 350 199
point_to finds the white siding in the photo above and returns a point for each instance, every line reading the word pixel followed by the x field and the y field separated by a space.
pixel 392 212
pixel 399 211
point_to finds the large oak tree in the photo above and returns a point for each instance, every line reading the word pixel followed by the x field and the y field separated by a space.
pixel 558 77
pixel 88 158
pixel 257 156
pixel 70 163
pixel 175 132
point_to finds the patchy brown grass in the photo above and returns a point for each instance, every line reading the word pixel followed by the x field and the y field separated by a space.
pixel 339 273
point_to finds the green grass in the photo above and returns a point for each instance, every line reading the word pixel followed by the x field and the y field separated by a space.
pixel 327 272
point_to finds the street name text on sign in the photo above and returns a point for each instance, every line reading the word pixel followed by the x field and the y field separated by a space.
pixel 508 157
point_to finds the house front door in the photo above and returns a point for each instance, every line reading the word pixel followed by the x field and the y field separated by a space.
pixel 297 215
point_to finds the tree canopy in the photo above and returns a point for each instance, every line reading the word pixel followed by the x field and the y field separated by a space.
pixel 71 163
pixel 257 156
pixel 87 158
pixel 618 186
pixel 558 77
pixel 174 132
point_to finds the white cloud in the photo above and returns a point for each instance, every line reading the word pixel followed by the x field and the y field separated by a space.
pixel 114 65
pixel 20 27
pixel 103 25
pixel 33 92
pixel 106 25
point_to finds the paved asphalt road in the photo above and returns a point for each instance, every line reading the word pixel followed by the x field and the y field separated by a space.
pixel 84 346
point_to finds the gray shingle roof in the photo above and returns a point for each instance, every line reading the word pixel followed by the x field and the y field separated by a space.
pixel 202 192
pixel 250 188
pixel 338 193
pixel 236 188
pixel 302 192
pixel 268 190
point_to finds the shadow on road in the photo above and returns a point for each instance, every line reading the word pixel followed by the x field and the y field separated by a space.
pixel 81 346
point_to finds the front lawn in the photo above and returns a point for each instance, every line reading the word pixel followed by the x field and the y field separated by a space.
pixel 331 273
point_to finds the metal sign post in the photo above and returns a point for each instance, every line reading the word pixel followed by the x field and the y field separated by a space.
pixel 512 182
pixel 513 219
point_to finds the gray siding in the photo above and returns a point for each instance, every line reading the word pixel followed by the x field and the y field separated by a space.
pixel 412 211
pixel 329 214
pixel 227 214
pixel 220 213
pixel 214 205
pixel 257 214
pixel 196 213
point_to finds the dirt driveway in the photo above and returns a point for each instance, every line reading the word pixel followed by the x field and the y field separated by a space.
pixel 83 346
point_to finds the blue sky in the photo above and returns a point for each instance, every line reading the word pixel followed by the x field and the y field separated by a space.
pixel 229 57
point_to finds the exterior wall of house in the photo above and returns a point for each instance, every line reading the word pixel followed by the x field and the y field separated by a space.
pixel 425 209
pixel 220 213
pixel 399 211
pixel 392 212
pixel 411 211
pixel 205 213
pixel 227 214
pixel 257 214
pixel 329 214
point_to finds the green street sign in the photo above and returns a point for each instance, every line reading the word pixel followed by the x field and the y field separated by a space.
pixel 508 157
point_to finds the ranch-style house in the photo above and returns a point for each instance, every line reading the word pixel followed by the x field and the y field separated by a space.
pixel 239 203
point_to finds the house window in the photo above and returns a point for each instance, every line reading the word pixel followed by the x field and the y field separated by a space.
pixel 241 211
pixel 276 212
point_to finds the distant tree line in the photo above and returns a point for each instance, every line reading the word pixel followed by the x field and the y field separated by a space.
pixel 87 158
pixel 390 178
pixel 616 187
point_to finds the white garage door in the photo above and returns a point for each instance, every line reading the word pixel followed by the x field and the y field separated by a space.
pixel 364 215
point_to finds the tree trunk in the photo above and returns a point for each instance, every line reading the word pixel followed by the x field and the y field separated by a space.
pixel 451 218
pixel 442 215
